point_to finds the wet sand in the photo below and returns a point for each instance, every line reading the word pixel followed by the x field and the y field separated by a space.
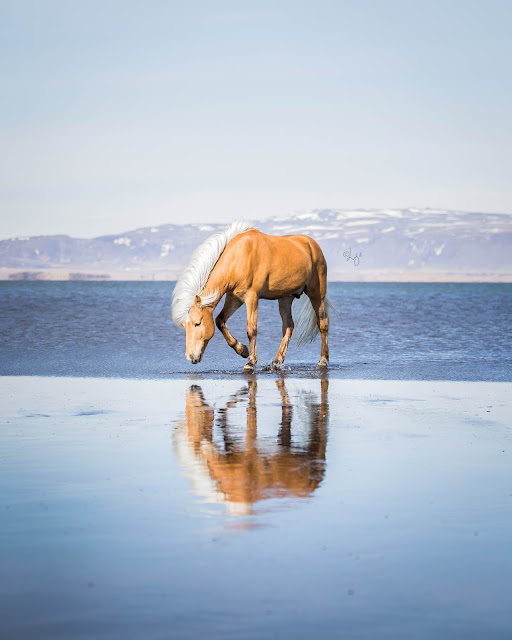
pixel 255 507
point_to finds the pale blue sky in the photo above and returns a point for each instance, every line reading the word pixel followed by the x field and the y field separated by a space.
pixel 115 115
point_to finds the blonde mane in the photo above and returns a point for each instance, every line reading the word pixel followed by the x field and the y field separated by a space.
pixel 195 276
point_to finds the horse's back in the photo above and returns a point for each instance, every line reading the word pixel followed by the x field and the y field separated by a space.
pixel 309 244
pixel 258 243
pixel 275 264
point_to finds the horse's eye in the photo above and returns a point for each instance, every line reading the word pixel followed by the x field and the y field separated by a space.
pixel 196 324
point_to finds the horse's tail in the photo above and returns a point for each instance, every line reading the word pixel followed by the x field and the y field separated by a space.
pixel 306 327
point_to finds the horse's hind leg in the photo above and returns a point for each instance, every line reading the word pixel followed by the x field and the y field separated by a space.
pixel 323 325
pixel 230 306
pixel 322 319
pixel 285 309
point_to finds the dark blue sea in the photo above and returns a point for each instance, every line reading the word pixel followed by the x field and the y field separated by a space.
pixel 379 330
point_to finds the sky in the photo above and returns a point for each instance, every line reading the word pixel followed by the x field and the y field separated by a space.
pixel 118 115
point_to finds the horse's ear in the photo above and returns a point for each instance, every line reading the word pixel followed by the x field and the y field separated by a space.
pixel 198 303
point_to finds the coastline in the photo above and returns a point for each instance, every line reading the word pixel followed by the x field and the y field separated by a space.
pixel 147 275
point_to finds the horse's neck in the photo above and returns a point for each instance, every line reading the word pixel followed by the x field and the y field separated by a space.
pixel 216 282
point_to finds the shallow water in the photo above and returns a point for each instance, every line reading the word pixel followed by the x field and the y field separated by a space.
pixel 383 331
pixel 260 508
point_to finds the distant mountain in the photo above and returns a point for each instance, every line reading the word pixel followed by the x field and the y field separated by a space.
pixel 408 244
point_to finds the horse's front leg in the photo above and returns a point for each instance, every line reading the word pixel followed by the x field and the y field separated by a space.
pixel 251 302
pixel 231 304
pixel 285 309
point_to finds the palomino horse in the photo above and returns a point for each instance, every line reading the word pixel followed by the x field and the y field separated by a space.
pixel 245 265
pixel 224 467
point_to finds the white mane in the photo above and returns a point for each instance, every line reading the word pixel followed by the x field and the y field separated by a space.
pixel 195 276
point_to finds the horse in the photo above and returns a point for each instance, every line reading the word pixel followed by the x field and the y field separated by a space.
pixel 245 265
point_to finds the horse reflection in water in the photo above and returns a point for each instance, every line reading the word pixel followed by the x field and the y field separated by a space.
pixel 242 471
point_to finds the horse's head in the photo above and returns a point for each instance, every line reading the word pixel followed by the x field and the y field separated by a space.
pixel 199 329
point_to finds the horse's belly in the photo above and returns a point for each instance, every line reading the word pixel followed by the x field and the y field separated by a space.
pixel 278 288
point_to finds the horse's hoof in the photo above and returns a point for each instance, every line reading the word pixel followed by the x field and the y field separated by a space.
pixel 276 365
pixel 244 352
pixel 322 364
pixel 249 368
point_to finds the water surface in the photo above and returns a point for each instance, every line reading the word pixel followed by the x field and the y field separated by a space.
pixel 143 497
pixel 383 331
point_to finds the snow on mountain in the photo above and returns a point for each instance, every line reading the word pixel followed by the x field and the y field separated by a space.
pixel 407 242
